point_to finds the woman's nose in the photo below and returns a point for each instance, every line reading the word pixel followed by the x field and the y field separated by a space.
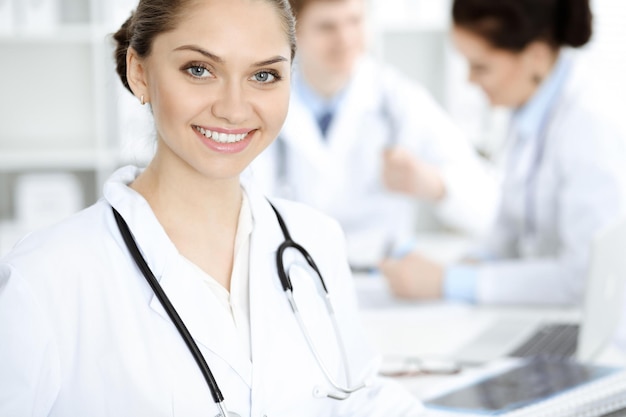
pixel 232 104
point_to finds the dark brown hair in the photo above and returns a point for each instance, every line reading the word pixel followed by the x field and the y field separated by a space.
pixel 513 24
pixel 154 17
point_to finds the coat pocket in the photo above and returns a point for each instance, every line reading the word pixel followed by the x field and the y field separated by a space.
pixel 132 387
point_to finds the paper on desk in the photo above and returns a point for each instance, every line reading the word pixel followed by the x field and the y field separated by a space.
pixel 373 292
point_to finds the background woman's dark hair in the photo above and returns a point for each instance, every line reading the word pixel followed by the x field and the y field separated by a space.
pixel 153 17
pixel 513 24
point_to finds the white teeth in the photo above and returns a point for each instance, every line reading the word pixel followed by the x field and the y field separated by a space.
pixel 221 137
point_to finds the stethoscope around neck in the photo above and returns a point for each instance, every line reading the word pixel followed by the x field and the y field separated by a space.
pixel 531 181
pixel 341 392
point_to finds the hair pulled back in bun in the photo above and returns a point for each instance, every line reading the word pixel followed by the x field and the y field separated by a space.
pixel 513 24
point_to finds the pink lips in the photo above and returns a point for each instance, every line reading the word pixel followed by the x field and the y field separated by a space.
pixel 229 148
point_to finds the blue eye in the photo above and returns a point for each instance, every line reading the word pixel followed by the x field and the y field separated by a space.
pixel 198 71
pixel 265 77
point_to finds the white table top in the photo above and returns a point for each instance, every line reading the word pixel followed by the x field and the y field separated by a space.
pixel 434 330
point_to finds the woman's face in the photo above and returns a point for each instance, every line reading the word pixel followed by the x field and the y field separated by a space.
pixel 506 77
pixel 218 85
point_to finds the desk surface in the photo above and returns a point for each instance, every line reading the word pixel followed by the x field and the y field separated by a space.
pixel 432 330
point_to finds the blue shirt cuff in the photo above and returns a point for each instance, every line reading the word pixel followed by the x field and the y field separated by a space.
pixel 460 282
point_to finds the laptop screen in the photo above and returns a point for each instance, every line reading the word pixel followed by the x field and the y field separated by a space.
pixel 604 292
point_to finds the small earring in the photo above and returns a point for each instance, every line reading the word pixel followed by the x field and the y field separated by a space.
pixel 142 100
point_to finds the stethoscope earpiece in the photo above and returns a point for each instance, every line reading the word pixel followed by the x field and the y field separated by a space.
pixel 319 392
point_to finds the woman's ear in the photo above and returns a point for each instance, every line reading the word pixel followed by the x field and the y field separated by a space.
pixel 539 57
pixel 136 75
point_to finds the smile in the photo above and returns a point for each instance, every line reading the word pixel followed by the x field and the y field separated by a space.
pixel 221 137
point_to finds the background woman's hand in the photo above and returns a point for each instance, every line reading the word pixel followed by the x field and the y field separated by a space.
pixel 413 277
pixel 404 173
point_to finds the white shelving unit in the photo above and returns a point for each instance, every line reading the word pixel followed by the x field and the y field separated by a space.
pixel 412 35
pixel 58 103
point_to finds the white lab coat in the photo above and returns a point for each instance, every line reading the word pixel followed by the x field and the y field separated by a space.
pixel 341 175
pixel 580 188
pixel 83 335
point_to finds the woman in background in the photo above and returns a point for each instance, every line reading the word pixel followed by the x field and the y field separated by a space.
pixel 564 162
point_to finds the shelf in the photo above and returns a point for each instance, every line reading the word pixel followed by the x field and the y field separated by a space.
pixel 12 161
pixel 411 15
pixel 74 33
pixel 412 26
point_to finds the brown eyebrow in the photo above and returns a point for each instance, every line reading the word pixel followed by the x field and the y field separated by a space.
pixel 201 51
pixel 271 61
pixel 216 58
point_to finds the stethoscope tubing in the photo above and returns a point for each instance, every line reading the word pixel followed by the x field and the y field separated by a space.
pixel 216 393
pixel 169 308
pixel 288 288
pixel 530 225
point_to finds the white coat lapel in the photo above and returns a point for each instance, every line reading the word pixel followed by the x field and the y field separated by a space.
pixel 193 300
pixel 279 349
pixel 266 237
pixel 268 305
pixel 360 100
pixel 203 315
pixel 301 134
pixel 310 158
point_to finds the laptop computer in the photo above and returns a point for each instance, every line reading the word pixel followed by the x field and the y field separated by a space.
pixel 601 311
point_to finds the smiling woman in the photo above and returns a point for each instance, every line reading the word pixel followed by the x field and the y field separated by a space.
pixel 196 77
pixel 167 297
